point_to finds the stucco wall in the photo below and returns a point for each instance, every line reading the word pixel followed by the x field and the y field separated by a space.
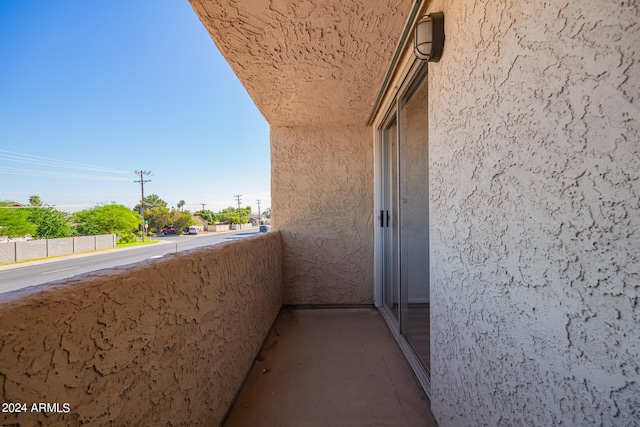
pixel 535 216
pixel 307 62
pixel 314 68
pixel 322 202
pixel 166 342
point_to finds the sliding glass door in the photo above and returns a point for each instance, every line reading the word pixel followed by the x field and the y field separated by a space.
pixel 404 220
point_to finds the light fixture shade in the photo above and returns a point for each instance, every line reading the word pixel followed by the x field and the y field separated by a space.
pixel 429 37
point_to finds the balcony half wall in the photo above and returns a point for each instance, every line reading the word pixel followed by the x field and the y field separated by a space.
pixel 165 342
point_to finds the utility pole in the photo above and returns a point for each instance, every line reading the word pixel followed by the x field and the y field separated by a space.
pixel 203 204
pixel 142 181
pixel 238 196
pixel 258 202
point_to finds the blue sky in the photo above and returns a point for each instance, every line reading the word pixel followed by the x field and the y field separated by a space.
pixel 123 85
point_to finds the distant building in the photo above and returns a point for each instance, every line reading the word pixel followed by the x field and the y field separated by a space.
pixel 202 223
pixel 255 219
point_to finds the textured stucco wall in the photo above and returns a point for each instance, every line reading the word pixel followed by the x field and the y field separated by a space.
pixel 166 342
pixel 535 213
pixel 307 62
pixel 314 68
pixel 322 202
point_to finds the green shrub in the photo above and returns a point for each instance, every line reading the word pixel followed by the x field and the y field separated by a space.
pixel 128 238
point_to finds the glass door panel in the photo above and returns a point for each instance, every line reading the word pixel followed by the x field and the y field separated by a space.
pixel 414 219
pixel 389 219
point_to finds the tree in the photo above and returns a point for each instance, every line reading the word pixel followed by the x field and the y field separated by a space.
pixel 50 223
pixel 227 216
pixel 150 202
pixel 14 221
pixel 245 213
pixel 233 218
pixel 267 213
pixel 107 219
pixel 206 214
pixel 182 219
pixel 158 217
pixel 232 215
pixel 35 201
pixel 180 204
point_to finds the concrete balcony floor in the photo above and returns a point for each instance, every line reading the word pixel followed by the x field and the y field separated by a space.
pixel 330 367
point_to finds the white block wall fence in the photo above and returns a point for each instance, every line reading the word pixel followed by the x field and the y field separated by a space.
pixel 19 251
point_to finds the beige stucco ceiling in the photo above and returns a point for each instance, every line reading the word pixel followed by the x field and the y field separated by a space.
pixel 307 61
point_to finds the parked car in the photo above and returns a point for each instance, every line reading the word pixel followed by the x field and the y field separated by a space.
pixel 193 230
pixel 168 230
pixel 265 228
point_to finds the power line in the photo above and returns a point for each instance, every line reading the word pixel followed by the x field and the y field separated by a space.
pixel 28 207
pixel 44 206
pixel 238 197
pixel 48 193
pixel 13 156
pixel 34 172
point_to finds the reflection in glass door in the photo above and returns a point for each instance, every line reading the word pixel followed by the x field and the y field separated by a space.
pixel 414 220
pixel 404 220
pixel 389 219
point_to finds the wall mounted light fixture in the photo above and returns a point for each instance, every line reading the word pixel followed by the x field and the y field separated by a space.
pixel 429 37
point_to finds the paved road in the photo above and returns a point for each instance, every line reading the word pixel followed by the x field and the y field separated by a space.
pixel 19 276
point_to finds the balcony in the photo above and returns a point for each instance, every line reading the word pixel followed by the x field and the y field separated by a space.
pixel 171 341
pixel 330 367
